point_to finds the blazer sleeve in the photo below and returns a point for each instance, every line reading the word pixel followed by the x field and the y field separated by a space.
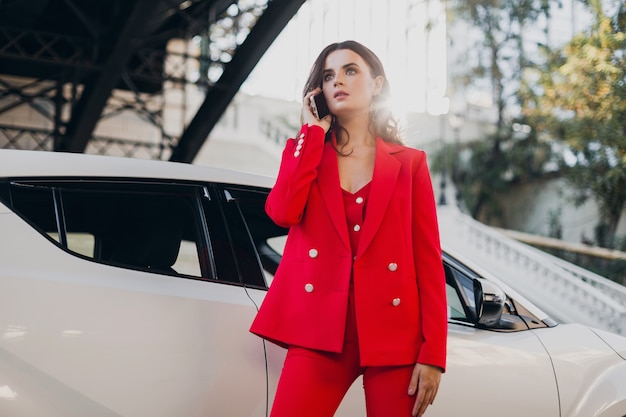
pixel 429 269
pixel 286 201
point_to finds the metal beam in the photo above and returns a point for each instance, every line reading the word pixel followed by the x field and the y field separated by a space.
pixel 247 55
pixel 86 112
pixel 86 22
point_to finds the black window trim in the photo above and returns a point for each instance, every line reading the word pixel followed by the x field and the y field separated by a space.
pixel 226 198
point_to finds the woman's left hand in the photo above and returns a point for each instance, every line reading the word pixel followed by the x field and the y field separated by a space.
pixel 425 381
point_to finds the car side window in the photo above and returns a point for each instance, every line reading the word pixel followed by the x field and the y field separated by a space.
pixel 151 227
pixel 455 307
pixel 460 294
pixel 222 250
pixel 257 235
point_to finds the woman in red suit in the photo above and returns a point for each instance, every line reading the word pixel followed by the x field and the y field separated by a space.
pixel 360 289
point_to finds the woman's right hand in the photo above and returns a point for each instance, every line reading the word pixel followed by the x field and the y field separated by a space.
pixel 307 112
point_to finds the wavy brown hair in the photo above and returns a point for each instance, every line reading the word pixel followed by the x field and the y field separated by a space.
pixel 382 122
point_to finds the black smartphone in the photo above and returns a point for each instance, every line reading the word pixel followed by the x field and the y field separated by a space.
pixel 319 106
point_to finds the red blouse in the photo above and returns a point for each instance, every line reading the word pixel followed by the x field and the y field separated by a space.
pixel 355 205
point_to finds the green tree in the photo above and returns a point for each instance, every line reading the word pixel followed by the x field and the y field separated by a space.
pixel 499 59
pixel 581 102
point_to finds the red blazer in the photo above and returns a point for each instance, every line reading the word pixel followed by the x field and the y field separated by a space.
pixel 399 283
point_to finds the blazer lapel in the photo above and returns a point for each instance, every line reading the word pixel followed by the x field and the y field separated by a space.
pixel 330 189
pixel 386 170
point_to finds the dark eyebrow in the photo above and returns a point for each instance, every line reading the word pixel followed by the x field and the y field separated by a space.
pixel 350 64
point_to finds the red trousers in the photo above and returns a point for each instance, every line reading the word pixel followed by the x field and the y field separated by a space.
pixel 313 383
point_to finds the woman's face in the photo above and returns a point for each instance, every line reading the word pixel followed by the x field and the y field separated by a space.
pixel 348 84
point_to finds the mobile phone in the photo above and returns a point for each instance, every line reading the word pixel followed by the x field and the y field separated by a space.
pixel 319 106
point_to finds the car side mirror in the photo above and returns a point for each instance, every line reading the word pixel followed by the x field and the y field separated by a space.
pixel 489 300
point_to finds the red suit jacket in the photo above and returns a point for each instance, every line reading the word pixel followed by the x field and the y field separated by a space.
pixel 399 283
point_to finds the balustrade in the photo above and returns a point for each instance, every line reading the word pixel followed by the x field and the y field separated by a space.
pixel 560 288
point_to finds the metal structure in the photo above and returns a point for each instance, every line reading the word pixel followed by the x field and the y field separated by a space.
pixel 76 63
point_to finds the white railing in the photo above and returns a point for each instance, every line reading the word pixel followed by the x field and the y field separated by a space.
pixel 565 291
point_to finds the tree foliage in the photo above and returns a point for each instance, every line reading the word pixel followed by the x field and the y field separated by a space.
pixel 580 99
pixel 499 61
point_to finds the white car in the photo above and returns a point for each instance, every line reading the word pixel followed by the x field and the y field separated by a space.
pixel 127 288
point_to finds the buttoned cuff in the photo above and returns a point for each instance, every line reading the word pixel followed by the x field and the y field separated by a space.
pixel 306 134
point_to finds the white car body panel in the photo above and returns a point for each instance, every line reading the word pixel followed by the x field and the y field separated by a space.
pixel 80 338
pixel 590 371
pixel 17 163
pixel 75 326
pixel 475 362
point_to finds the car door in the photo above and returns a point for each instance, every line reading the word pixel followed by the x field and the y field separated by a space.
pixel 492 372
pixel 258 245
pixel 128 304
